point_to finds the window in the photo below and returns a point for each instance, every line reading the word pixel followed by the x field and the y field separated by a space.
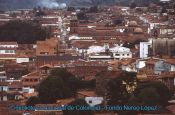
pixel 35 80
pixel 27 80
pixel 44 53
pixel 11 51
pixel 90 101
pixel 7 51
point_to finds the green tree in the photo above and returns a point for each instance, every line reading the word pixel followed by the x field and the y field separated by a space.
pixel 80 102
pixel 117 88
pixel 93 9
pixel 82 16
pixel 133 5
pixel 153 93
pixel 149 96
pixel 117 93
pixel 22 32
pixel 72 9
pixel 52 89
pixel 60 84
pixel 32 101
pixel 69 80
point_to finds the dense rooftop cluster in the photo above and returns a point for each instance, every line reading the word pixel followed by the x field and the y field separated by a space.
pixel 95 45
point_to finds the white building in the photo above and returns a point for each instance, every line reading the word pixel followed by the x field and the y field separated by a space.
pixel 75 37
pixel 106 53
pixel 3 88
pixel 8 50
pixel 144 49
pixel 8 44
pixel 22 59
pixel 93 101
pixel 3 76
pixel 28 90
pixel 95 49
pixel 140 63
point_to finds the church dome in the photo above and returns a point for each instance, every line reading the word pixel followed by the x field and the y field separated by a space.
pixel 138 30
pixel 132 23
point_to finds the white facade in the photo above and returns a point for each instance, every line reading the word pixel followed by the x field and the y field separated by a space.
pixel 109 57
pixel 117 52
pixel 86 38
pixel 3 98
pixel 128 68
pixel 7 51
pixel 8 48
pixel 144 49
pixel 74 38
pixel 140 64
pixel 80 38
pixel 3 76
pixel 122 55
pixel 93 101
pixel 172 68
pixel 167 31
pixel 27 90
pixel 3 88
pixel 8 45
pixel 95 49
pixel 22 60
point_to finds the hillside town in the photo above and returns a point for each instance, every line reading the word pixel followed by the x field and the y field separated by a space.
pixel 97 45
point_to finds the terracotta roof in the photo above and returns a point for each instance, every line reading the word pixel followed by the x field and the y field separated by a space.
pixel 127 61
pixel 87 93
pixel 132 23
pixel 111 74
pixel 46 66
pixel 65 57
pixel 82 44
pixel 151 61
pixel 22 56
pixel 6 56
pixel 48 42
pixel 7 48
pixel 167 75
pixel 89 63
pixel 138 30
pixel 8 43
pixel 15 84
pixel 30 94
pixel 14 66
pixel 171 108
pixel 65 101
pixel 170 61
pixel 3 83
pixel 149 79
pixel 35 74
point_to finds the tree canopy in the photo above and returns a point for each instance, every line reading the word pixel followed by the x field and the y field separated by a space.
pixel 22 32
pixel 60 84
pixel 153 93
pixel 117 88
pixel 145 94
pixel 82 16
pixel 32 101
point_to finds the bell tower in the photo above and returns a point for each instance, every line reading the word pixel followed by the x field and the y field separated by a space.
pixel 74 25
